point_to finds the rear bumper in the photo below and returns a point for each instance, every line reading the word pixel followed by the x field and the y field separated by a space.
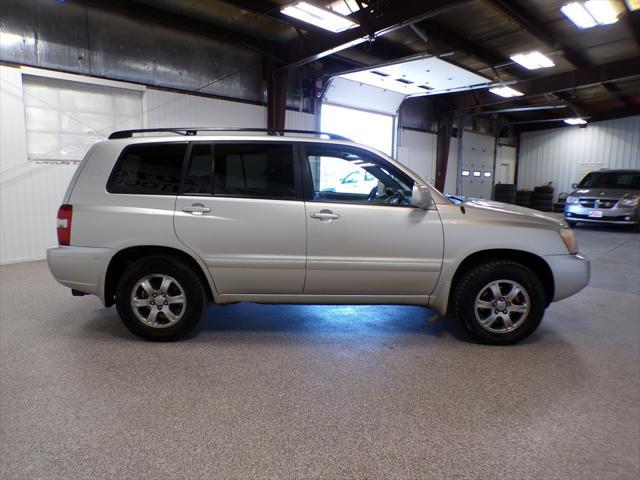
pixel 80 268
pixel 570 273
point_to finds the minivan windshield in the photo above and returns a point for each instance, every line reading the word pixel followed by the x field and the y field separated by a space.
pixel 622 180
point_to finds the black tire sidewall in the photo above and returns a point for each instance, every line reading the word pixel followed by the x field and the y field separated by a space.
pixel 477 279
pixel 193 290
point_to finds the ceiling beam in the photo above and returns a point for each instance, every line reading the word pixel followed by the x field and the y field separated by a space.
pixel 381 21
pixel 560 82
pixel 532 23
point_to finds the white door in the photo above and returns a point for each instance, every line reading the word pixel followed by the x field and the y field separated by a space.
pixel 246 220
pixel 372 243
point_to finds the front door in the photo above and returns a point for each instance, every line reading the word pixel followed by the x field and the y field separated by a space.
pixel 241 210
pixel 368 241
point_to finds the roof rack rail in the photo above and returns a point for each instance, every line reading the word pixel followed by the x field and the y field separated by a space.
pixel 190 131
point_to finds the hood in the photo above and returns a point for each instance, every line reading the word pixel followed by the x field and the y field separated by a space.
pixel 506 213
pixel 616 193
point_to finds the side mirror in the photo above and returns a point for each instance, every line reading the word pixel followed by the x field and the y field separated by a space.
pixel 574 185
pixel 421 197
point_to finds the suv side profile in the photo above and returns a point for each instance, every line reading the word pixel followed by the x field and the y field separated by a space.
pixel 162 225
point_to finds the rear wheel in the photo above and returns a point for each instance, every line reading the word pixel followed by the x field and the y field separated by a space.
pixel 160 299
pixel 500 302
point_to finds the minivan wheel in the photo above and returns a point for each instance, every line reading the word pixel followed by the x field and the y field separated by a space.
pixel 160 299
pixel 500 302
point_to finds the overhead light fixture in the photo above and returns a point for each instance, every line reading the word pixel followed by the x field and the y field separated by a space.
pixel 602 11
pixel 633 4
pixel 506 92
pixel 591 13
pixel 575 121
pixel 318 16
pixel 533 60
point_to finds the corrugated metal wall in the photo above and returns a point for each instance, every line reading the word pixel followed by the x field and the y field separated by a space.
pixel 556 155
pixel 94 39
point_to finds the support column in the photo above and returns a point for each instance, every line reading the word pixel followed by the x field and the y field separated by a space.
pixel 445 128
pixel 276 98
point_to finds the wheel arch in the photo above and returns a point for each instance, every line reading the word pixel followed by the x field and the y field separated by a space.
pixel 121 260
pixel 530 260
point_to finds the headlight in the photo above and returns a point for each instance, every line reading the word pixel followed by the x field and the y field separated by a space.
pixel 569 239
pixel 628 202
pixel 571 199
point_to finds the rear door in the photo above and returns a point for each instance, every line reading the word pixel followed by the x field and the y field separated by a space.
pixel 370 241
pixel 240 209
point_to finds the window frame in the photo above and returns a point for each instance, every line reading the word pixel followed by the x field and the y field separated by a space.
pixel 309 189
pixel 297 175
pixel 123 154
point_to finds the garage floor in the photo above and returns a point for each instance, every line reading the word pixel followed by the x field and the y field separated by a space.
pixel 323 392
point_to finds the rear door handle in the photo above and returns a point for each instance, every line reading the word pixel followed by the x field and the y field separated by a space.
pixel 196 209
pixel 325 215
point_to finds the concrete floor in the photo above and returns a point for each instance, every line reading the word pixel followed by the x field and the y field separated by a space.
pixel 322 392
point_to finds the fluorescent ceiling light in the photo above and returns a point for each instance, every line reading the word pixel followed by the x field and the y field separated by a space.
pixel 575 121
pixel 533 60
pixel 602 11
pixel 344 7
pixel 633 4
pixel 579 15
pixel 591 13
pixel 319 17
pixel 505 92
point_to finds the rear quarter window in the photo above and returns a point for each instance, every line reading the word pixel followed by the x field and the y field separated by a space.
pixel 148 169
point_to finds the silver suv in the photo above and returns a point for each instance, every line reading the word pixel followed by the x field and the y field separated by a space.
pixel 605 196
pixel 161 225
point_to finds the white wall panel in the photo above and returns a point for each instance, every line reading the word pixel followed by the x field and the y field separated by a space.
pixel 30 194
pixel 417 150
pixel 299 120
pixel 558 155
pixel 170 109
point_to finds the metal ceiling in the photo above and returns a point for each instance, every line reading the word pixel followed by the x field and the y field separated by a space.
pixel 482 34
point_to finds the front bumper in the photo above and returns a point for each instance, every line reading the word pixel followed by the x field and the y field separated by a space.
pixel 615 215
pixel 570 273
pixel 80 268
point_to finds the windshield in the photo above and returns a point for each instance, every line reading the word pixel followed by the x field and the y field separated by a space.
pixel 622 180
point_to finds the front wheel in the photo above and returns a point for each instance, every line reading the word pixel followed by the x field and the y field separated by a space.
pixel 160 299
pixel 500 302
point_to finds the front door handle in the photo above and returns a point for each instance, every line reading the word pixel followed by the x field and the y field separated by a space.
pixel 325 215
pixel 196 209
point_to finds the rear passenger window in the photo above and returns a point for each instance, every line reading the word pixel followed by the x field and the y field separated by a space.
pixel 149 169
pixel 254 170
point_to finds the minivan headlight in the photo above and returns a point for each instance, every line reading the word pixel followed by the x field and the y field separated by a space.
pixel 571 199
pixel 628 202
pixel 569 238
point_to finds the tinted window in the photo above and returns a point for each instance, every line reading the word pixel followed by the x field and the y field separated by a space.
pixel 149 169
pixel 254 170
pixel 199 178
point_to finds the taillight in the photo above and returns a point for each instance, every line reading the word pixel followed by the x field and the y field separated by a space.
pixel 65 212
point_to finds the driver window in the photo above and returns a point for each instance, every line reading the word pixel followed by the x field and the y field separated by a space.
pixel 344 175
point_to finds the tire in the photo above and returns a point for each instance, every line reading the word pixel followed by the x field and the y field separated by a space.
pixel 162 276
pixel 505 187
pixel 524 193
pixel 542 196
pixel 571 224
pixel 475 287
